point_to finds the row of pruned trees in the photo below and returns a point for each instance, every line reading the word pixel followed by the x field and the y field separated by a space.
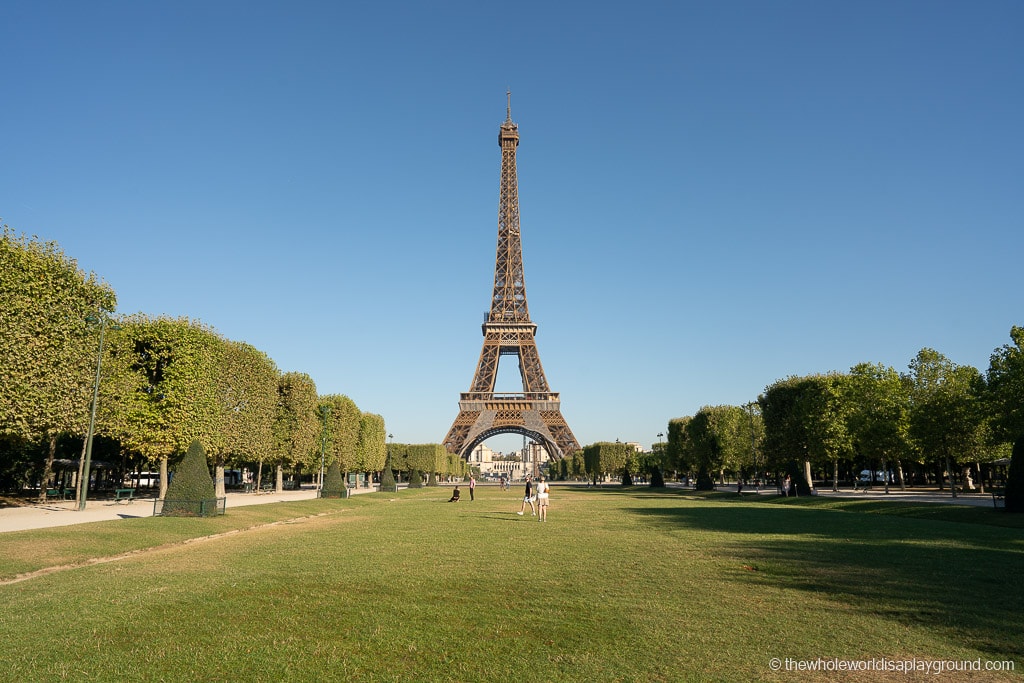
pixel 425 460
pixel 938 415
pixel 165 382
pixel 596 461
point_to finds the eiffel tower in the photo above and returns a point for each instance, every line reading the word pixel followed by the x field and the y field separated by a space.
pixel 536 412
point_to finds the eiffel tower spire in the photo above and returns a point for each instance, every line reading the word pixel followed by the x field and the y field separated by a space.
pixel 508 302
pixel 508 331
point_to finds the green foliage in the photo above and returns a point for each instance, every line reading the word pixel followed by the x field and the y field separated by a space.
pixel 716 438
pixel 334 483
pixel 343 422
pixel 191 491
pixel 399 454
pixel 371 447
pixel 677 446
pixel 162 391
pixel 805 419
pixel 48 347
pixel 604 458
pixel 428 458
pixel 296 420
pixel 878 411
pixel 946 418
pixel 1005 380
pixel 247 381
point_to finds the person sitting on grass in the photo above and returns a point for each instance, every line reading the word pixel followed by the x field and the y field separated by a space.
pixel 455 496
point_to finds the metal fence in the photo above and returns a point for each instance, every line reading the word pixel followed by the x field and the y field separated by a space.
pixel 189 508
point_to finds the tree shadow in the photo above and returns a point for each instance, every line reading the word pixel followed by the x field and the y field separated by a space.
pixel 957 579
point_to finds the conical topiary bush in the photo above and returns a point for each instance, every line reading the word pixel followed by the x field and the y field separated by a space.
pixel 334 484
pixel 387 477
pixel 415 479
pixel 191 492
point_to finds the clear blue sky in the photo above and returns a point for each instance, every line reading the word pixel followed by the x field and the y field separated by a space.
pixel 713 195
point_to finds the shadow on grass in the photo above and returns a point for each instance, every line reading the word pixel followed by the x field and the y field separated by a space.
pixel 960 580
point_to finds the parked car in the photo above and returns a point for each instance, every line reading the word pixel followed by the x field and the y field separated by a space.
pixel 879 476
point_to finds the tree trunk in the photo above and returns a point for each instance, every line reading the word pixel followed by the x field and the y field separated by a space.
pixel 885 473
pixel 807 476
pixel 279 480
pixel 163 477
pixel 81 464
pixel 48 468
pixel 899 473
pixel 218 478
pixel 981 478
pixel 835 475
pixel 259 476
pixel 949 473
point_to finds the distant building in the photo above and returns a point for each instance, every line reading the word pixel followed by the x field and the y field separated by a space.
pixel 515 466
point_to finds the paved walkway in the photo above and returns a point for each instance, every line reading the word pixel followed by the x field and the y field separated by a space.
pixel 67 513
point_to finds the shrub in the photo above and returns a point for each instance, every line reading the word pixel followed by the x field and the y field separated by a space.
pixel 387 477
pixel 191 491
pixel 415 479
pixel 334 484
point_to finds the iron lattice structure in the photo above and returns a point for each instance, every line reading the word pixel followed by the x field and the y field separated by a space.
pixel 508 331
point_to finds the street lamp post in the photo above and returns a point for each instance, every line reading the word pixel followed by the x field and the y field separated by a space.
pixel 83 484
pixel 389 463
pixel 325 412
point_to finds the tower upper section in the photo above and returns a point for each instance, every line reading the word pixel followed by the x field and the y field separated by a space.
pixel 508 302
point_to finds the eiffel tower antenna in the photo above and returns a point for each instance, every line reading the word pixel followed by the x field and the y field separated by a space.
pixel 508 331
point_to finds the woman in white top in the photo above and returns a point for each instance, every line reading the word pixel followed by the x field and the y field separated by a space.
pixel 542 500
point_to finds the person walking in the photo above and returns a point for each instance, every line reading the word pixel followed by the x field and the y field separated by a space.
pixel 528 498
pixel 472 487
pixel 543 489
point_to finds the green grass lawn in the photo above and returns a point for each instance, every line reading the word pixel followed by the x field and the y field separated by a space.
pixel 619 585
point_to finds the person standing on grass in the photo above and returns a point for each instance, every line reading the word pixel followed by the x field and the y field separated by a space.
pixel 542 500
pixel 472 487
pixel 528 498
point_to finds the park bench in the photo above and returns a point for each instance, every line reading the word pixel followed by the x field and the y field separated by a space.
pixel 56 494
pixel 123 494
pixel 998 498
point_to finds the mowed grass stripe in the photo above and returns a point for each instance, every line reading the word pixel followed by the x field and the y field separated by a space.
pixel 618 585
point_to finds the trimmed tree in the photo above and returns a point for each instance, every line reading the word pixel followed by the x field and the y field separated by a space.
pixel 387 476
pixel 334 484
pixel 48 348
pixel 191 491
